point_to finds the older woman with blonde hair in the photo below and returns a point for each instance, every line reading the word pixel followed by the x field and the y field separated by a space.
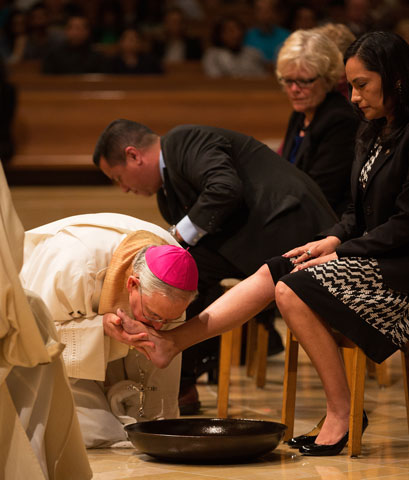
pixel 320 135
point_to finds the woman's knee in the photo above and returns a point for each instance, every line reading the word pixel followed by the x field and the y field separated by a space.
pixel 262 277
pixel 284 296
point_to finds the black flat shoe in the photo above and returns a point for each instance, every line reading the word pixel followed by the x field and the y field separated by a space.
pixel 307 438
pixel 317 450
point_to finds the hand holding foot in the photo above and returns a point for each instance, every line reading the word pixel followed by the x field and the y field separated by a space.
pixel 157 346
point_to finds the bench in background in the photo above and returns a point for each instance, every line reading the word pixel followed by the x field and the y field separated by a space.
pixel 59 118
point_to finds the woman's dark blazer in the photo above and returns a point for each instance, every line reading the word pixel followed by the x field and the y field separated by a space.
pixel 382 212
pixel 327 150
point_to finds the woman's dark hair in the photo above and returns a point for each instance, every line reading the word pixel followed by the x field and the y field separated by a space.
pixel 387 54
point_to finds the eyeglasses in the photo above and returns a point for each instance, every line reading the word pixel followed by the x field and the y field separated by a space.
pixel 300 82
pixel 156 319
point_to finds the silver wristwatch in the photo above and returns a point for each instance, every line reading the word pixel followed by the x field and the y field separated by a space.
pixel 172 231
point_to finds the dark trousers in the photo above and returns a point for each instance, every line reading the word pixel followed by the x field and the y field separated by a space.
pixel 212 269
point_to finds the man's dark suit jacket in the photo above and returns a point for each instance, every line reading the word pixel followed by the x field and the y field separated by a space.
pixel 252 203
pixel 326 152
pixel 382 211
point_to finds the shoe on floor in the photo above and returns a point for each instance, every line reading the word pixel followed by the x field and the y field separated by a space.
pixel 189 403
pixel 275 344
pixel 307 438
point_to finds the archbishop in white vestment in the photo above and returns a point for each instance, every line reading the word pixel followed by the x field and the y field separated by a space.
pixel 39 431
pixel 66 263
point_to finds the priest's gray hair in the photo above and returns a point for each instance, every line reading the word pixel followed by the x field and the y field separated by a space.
pixel 151 283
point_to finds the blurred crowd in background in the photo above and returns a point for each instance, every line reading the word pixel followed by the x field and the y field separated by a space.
pixel 230 37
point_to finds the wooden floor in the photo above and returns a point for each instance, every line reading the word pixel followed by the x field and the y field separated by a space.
pixel 385 452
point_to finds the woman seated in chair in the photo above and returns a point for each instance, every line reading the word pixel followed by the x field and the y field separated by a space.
pixel 354 279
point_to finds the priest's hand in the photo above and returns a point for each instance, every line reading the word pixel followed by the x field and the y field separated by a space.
pixel 161 349
pixel 113 328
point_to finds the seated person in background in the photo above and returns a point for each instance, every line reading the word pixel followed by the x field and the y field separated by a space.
pixel 132 56
pixel 13 41
pixel 87 267
pixel 39 436
pixel 8 100
pixel 75 54
pixel 40 39
pixel 339 33
pixel 358 16
pixel 355 279
pixel 320 136
pixel 302 16
pixel 402 28
pixel 173 44
pixel 342 36
pixel 108 25
pixel 266 35
pixel 228 56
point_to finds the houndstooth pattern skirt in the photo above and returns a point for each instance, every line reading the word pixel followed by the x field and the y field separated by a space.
pixel 357 282
pixel 350 295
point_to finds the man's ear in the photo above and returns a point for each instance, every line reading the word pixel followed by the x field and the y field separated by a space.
pixel 132 282
pixel 133 155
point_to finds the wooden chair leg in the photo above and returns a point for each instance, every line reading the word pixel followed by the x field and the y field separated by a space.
pixel 348 356
pixel 379 371
pixel 251 347
pixel 289 385
pixel 371 369
pixel 382 374
pixel 357 402
pixel 236 346
pixel 228 340
pixel 226 347
pixel 405 371
pixel 262 351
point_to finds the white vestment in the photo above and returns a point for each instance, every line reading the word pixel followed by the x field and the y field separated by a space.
pixel 65 264
pixel 39 431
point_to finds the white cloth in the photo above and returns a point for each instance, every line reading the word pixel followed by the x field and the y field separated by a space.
pixel 65 263
pixel 103 410
pixel 39 433
pixel 31 390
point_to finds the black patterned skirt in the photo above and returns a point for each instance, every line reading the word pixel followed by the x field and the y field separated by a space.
pixel 349 294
